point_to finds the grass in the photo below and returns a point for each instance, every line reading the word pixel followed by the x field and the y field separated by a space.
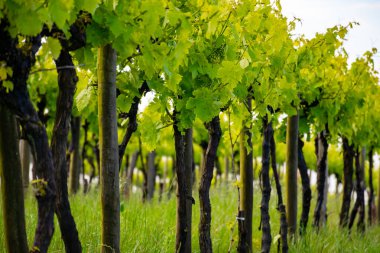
pixel 150 227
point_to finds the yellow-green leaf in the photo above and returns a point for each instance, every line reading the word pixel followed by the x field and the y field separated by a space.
pixel 3 73
pixel 8 85
pixel 54 46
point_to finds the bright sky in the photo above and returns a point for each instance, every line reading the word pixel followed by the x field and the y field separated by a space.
pixel 317 15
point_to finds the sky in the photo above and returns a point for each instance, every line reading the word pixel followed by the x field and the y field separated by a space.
pixel 317 15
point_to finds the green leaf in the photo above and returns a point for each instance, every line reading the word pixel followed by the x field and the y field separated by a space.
pixel 28 24
pixel 97 35
pixel 173 82
pixel 9 71
pixel 149 132
pixel 59 10
pixel 88 5
pixel 303 125
pixel 54 46
pixel 110 4
pixel 230 73
pixel 84 98
pixel 86 57
pixel 205 104
pixel 123 103
pixel 211 27
pixel 241 91
pixel 3 73
pixel 124 45
pixel 116 26
pixel 8 85
pixel 186 119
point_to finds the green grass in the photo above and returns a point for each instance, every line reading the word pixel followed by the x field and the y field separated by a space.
pixel 150 227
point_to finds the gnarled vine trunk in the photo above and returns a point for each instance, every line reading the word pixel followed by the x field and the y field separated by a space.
pixel 215 132
pixel 320 207
pixel 280 205
pixel 25 157
pixel 18 102
pixel 291 172
pixel 182 229
pixel 306 190
pixel 359 205
pixel 189 179
pixel 266 239
pixel 67 80
pixel 371 191
pixel 348 170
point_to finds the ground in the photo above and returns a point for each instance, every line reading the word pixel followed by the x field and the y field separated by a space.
pixel 150 227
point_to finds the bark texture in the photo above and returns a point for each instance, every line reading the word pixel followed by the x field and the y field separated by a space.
pixel 371 191
pixel 67 80
pixel 246 189
pixel 18 102
pixel 21 60
pixel 320 207
pixel 359 206
pixel 108 145
pixel 25 157
pixel 283 243
pixel 306 190
pixel 215 132
pixel 11 185
pixel 41 106
pixel 291 172
pixel 181 225
pixel 266 239
pixel 189 179
pixel 348 170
